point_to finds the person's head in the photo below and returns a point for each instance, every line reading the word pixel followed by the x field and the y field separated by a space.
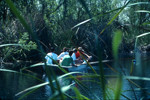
pixel 65 49
pixel 74 50
pixel 70 52
pixel 80 49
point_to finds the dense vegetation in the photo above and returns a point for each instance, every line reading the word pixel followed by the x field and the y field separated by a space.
pixel 53 24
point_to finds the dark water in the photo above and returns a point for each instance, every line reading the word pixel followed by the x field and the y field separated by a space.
pixel 11 83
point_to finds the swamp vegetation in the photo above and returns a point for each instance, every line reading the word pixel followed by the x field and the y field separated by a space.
pixel 106 29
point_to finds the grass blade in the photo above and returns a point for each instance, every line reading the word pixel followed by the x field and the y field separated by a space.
pixel 137 78
pixel 142 11
pixel 78 94
pixel 139 3
pixel 117 39
pixel 83 22
pixel 137 37
pixel 45 83
pixel 57 93
pixel 27 94
pixel 7 70
pixel 118 89
pixel 4 45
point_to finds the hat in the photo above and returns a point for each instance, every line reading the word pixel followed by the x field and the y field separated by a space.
pixel 80 48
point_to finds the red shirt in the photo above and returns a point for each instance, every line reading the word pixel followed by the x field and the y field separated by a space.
pixel 77 54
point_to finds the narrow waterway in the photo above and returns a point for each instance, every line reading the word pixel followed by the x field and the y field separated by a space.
pixel 13 83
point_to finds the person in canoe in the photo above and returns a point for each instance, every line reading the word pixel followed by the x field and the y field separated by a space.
pixel 51 57
pixel 74 55
pixel 67 60
pixel 80 54
pixel 65 52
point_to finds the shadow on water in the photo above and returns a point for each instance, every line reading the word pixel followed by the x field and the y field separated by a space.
pixel 11 83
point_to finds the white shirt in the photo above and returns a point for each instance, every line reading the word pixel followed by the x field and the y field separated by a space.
pixel 49 57
pixel 62 55
pixel 73 56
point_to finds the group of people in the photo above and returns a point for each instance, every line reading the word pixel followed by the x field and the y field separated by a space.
pixel 67 57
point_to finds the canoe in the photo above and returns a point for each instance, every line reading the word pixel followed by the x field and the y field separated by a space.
pixel 80 67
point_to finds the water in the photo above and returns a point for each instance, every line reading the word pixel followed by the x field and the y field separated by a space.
pixel 12 83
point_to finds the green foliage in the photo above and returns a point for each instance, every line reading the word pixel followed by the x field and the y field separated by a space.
pixel 25 44
pixel 63 39
pixel 18 15
pixel 117 39
pixel 114 17
pixel 18 51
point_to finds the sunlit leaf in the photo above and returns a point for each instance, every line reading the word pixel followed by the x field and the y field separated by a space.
pixel 117 39
pixel 4 45
pixel 138 3
pixel 137 37
pixel 7 70
pixel 63 89
pixel 137 78
pixel 83 22
pixel 142 11
pixel 144 34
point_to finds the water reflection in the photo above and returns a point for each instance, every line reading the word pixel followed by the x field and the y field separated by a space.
pixel 12 83
pixel 48 91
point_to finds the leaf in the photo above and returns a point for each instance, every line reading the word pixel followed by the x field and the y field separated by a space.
pixel 138 3
pixel 46 83
pixel 117 39
pixel 7 70
pixel 144 34
pixel 118 88
pixel 142 11
pixel 4 45
pixel 78 94
pixel 137 78
pixel 137 37
pixel 33 87
pixel 83 22
pixel 63 89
